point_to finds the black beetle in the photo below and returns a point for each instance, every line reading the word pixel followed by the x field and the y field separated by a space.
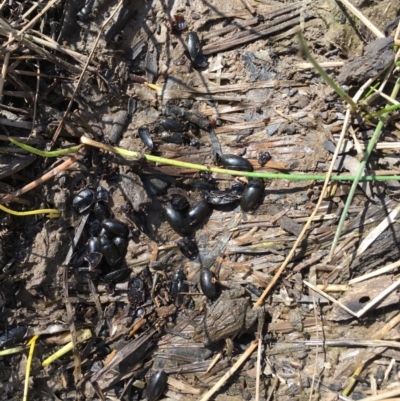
pixel 94 259
pixel 263 158
pixel 102 194
pixel 13 336
pixel 220 197
pixel 234 162
pixel 193 45
pixel 189 248
pixel 178 285
pixel 175 137
pixel 179 202
pixel 115 227
pixel 237 188
pixel 207 284
pixel 252 194
pixel 122 245
pixel 199 119
pixel 117 275
pixel 83 200
pixel 253 289
pixel 172 125
pixel 177 221
pixel 101 211
pixel 94 228
pixel 198 212
pixel 144 135
pixel 136 291
pixel 156 385
pixel 109 250
pixel 194 49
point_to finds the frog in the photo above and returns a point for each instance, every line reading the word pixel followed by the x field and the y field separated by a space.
pixel 230 315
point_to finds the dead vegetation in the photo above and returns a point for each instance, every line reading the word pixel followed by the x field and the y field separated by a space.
pixel 318 255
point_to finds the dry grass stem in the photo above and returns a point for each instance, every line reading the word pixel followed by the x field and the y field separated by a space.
pixel 39 181
pixel 375 273
pixel 230 372
pixel 325 295
pixel 363 19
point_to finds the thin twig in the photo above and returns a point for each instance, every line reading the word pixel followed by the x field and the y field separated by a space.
pixel 363 19
pixel 249 7
pixel 230 372
pixel 39 181
pixel 325 295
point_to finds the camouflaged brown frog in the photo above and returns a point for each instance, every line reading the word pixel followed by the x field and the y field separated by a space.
pixel 231 314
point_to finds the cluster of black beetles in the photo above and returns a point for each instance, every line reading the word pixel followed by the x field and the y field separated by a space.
pixel 108 242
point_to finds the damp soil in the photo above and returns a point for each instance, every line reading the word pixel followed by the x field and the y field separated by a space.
pixel 260 97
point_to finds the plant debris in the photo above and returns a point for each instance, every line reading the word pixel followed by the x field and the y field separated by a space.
pixel 157 273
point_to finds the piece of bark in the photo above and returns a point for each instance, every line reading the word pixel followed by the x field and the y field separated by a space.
pixel 357 297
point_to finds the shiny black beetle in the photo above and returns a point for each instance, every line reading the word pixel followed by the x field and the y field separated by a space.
pixel 207 284
pixel 252 194
pixel 156 385
pixel 234 162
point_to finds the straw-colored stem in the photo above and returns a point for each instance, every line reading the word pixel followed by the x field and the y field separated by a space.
pixel 34 184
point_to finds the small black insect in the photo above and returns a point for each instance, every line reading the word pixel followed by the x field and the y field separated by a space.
pixel 178 285
pixel 263 158
pixel 198 212
pixel 144 135
pixel 101 211
pixel 207 284
pixel 83 200
pixel 117 275
pixel 252 194
pixel 172 125
pixel 234 162
pixel 13 336
pixel 109 250
pixel 220 197
pixel 189 248
pixel 136 291
pixel 178 221
pixel 102 194
pixel 115 227
pixel 180 203
pixel 122 245
pixel 194 49
pixel 156 385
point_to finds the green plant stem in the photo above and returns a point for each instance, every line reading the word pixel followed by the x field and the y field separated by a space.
pixel 54 153
pixel 324 74
pixel 200 167
pixel 384 111
pixel 360 170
